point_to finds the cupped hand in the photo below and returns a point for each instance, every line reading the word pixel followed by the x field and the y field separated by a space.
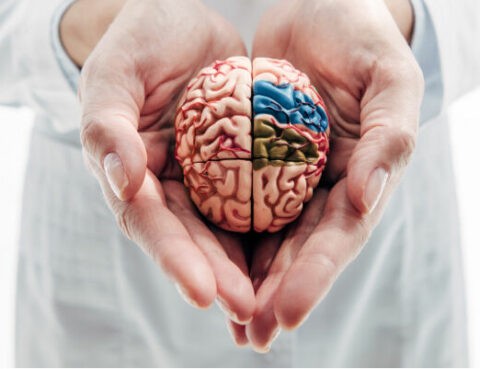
pixel 129 88
pixel 362 66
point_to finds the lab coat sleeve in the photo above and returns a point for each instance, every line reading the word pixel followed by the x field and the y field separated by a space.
pixel 425 48
pixel 30 72
pixel 68 67
pixel 457 26
pixel 11 12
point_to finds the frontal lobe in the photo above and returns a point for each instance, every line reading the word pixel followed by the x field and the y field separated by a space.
pixel 290 143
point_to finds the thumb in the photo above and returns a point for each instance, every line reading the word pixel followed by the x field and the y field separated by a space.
pixel 109 128
pixel 378 159
pixel 389 122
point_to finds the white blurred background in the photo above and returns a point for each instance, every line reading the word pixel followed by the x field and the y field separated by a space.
pixel 14 139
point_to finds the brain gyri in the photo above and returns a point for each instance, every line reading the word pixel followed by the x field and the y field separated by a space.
pixel 252 139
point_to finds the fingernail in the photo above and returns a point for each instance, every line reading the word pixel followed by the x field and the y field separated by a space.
pixel 266 349
pixel 223 306
pixel 262 350
pixel 275 335
pixel 232 334
pixel 234 337
pixel 375 187
pixel 115 172
pixel 184 295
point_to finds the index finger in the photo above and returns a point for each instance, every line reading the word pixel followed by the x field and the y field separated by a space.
pixel 335 241
pixel 148 222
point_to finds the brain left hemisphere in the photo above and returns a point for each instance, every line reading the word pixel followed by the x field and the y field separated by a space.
pixel 288 105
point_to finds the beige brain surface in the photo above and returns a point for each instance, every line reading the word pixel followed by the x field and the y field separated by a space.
pixel 252 139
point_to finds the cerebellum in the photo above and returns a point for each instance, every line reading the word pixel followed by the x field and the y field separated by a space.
pixel 252 140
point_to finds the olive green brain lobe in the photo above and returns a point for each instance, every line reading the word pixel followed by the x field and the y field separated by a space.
pixel 252 139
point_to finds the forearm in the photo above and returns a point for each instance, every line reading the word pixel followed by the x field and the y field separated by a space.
pixel 84 23
pixel 402 13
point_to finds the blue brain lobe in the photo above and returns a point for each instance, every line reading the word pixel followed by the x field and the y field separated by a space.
pixel 288 105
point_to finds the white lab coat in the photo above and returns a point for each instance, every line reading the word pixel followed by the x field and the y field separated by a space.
pixel 89 297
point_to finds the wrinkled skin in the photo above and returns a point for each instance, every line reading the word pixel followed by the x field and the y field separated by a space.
pixel 363 68
pixel 129 88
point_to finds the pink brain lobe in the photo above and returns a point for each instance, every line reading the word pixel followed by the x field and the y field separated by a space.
pixel 252 139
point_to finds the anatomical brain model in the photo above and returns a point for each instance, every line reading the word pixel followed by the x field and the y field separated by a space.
pixel 251 170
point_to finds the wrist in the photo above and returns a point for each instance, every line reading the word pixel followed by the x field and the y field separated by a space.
pixel 402 13
pixel 83 25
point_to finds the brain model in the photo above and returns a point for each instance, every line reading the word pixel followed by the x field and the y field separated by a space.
pixel 252 139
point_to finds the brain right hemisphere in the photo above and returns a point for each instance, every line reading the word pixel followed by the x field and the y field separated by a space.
pixel 252 140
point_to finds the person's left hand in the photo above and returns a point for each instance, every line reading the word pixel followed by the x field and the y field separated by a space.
pixel 357 58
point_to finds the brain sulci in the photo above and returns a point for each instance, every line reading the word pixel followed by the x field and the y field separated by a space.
pixel 252 139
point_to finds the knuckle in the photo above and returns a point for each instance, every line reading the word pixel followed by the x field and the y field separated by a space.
pixel 402 69
pixel 321 261
pixel 361 232
pixel 91 134
pixel 405 141
pixel 412 75
pixel 364 232
pixel 384 71
pixel 327 263
pixel 88 132
pixel 124 218
pixel 398 143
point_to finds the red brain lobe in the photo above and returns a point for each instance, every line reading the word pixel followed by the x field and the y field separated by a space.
pixel 252 139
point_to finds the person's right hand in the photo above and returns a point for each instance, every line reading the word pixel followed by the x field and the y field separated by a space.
pixel 129 87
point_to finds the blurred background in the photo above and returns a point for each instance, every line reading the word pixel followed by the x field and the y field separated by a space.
pixel 14 140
